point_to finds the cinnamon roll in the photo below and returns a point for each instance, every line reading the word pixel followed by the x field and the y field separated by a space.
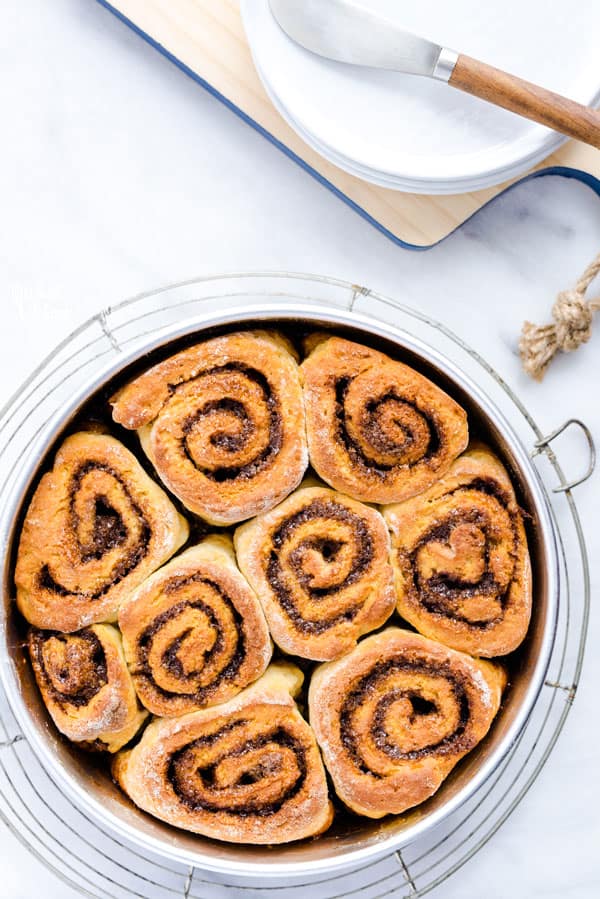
pixel 377 429
pixel 460 558
pixel 223 424
pixel 194 633
pixel 86 686
pixel 394 716
pixel 246 771
pixel 319 563
pixel 96 527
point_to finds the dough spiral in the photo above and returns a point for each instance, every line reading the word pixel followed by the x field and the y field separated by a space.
pixel 319 565
pixel 223 424
pixel 96 527
pixel 85 685
pixel 394 716
pixel 377 430
pixel 246 771
pixel 194 633
pixel 460 558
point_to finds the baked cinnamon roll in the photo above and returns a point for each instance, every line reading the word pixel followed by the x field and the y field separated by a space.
pixel 194 633
pixel 246 771
pixel 96 527
pixel 377 430
pixel 395 715
pixel 460 558
pixel 86 686
pixel 319 563
pixel 223 424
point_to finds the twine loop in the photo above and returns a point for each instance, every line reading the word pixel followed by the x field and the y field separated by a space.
pixel 573 315
pixel 573 320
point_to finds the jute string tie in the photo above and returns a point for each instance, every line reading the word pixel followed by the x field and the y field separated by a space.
pixel 572 326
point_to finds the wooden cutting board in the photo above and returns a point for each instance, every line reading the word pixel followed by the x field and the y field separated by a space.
pixel 206 39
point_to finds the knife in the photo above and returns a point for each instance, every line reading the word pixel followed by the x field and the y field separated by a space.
pixel 345 31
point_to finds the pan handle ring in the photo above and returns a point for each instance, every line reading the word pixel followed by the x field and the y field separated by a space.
pixel 544 444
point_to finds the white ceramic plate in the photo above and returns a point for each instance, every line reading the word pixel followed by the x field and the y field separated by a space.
pixel 415 134
pixel 382 179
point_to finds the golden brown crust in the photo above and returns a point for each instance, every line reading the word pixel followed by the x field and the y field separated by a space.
pixel 86 686
pixel 246 771
pixel 228 425
pixel 194 633
pixel 96 527
pixel 460 557
pixel 223 424
pixel 319 563
pixel 377 430
pixel 394 716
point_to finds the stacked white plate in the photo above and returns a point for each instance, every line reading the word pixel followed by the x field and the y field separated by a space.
pixel 418 135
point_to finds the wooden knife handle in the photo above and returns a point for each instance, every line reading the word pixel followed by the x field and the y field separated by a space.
pixel 526 99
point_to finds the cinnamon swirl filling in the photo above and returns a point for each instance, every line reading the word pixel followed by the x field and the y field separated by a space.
pixel 395 715
pixel 194 633
pixel 96 527
pixel 225 438
pixel 172 637
pixel 292 563
pixel 72 667
pixel 319 565
pixel 461 560
pixel 103 517
pixel 386 432
pixel 377 430
pixel 415 710
pixel 85 685
pixel 247 770
pixel 223 424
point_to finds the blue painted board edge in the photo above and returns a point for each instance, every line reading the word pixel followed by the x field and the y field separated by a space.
pixel 564 171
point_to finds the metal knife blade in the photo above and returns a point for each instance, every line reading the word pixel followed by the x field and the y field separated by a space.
pixel 346 31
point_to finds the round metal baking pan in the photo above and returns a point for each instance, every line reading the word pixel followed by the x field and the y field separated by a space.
pixel 88 785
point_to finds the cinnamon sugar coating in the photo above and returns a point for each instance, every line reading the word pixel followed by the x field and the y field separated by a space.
pixel 223 424
pixel 377 429
pixel 246 771
pixel 96 527
pixel 395 715
pixel 86 686
pixel 319 563
pixel 460 557
pixel 194 633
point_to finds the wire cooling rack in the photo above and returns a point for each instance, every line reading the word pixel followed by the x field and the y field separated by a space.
pixel 99 864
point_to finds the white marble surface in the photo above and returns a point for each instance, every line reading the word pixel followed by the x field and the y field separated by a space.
pixel 118 174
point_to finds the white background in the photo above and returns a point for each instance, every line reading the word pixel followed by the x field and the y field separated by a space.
pixel 118 174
